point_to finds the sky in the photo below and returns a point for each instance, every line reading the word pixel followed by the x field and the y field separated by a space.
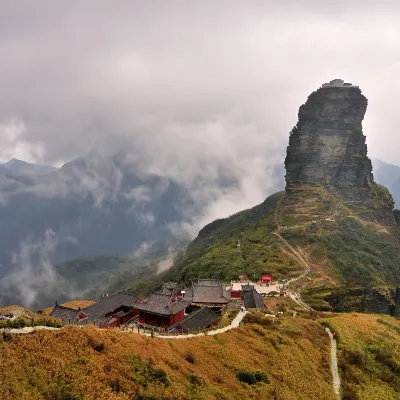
pixel 189 88
pixel 201 92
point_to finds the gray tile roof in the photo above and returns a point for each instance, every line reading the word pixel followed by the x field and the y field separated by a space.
pixel 66 314
pixel 162 304
pixel 97 312
pixel 253 299
pixel 197 320
pixel 207 291
pixel 170 285
pixel 247 287
pixel 168 288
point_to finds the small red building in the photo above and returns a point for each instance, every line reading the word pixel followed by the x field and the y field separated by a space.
pixel 162 309
pixel 266 279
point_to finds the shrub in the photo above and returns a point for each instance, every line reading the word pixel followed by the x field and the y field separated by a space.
pixel 385 357
pixel 252 377
pixel 145 373
pixel 96 346
pixel 246 377
pixel 261 377
pixel 258 318
pixel 356 357
pixel 195 380
pixel 349 394
pixel 190 358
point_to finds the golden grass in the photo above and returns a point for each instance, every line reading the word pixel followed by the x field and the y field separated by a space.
pixel 89 363
pixel 19 311
pixel 281 303
pixel 369 355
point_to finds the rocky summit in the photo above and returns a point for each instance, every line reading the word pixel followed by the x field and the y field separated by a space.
pixel 332 232
pixel 327 146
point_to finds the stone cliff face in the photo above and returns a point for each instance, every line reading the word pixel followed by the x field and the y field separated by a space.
pixel 327 146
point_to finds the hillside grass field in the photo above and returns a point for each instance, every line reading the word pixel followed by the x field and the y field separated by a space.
pixel 288 361
pixel 369 355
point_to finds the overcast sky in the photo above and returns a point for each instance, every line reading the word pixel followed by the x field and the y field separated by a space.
pixel 181 84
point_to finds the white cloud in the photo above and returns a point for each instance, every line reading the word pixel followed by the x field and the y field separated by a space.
pixel 32 273
pixel 12 144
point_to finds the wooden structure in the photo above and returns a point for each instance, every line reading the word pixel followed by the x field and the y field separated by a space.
pixel 162 309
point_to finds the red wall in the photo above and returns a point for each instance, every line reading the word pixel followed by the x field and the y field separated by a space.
pixel 129 316
pixel 235 295
pixel 114 325
pixel 175 318
pixel 144 318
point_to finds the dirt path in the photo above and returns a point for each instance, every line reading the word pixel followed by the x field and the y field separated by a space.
pixel 28 329
pixel 300 258
pixel 234 324
pixel 334 364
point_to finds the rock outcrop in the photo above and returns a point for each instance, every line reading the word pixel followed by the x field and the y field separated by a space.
pixel 327 146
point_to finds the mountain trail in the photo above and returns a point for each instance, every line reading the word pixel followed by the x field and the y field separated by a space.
pixel 300 258
pixel 334 364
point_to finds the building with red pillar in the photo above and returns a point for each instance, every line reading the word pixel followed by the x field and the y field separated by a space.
pixel 162 309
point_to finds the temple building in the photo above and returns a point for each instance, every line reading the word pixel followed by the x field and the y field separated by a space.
pixel 67 315
pixel 196 321
pixel 210 292
pixel 110 312
pixel 253 299
pixel 163 309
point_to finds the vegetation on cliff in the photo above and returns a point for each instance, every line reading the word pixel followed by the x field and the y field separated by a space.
pixel 344 248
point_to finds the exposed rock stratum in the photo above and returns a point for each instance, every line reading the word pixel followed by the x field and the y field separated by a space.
pixel 327 147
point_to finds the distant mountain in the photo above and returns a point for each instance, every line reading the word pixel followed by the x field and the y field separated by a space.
pixel 18 167
pixel 91 206
pixel 388 175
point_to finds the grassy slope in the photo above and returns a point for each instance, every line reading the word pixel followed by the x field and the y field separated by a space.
pixel 343 248
pixel 215 253
pixel 369 355
pixel 97 364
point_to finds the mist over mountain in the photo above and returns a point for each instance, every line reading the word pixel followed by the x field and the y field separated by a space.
pixel 91 206
pixel 19 167
pixel 94 205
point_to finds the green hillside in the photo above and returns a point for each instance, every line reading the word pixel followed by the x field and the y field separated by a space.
pixel 344 245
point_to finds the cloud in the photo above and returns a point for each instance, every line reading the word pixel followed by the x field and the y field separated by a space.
pixel 33 277
pixel 13 146
pixel 109 73
pixel 202 93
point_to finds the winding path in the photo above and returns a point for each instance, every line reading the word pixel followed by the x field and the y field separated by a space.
pixel 27 329
pixel 234 324
pixel 302 260
pixel 334 364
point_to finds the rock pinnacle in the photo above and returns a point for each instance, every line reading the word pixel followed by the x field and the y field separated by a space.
pixel 327 146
